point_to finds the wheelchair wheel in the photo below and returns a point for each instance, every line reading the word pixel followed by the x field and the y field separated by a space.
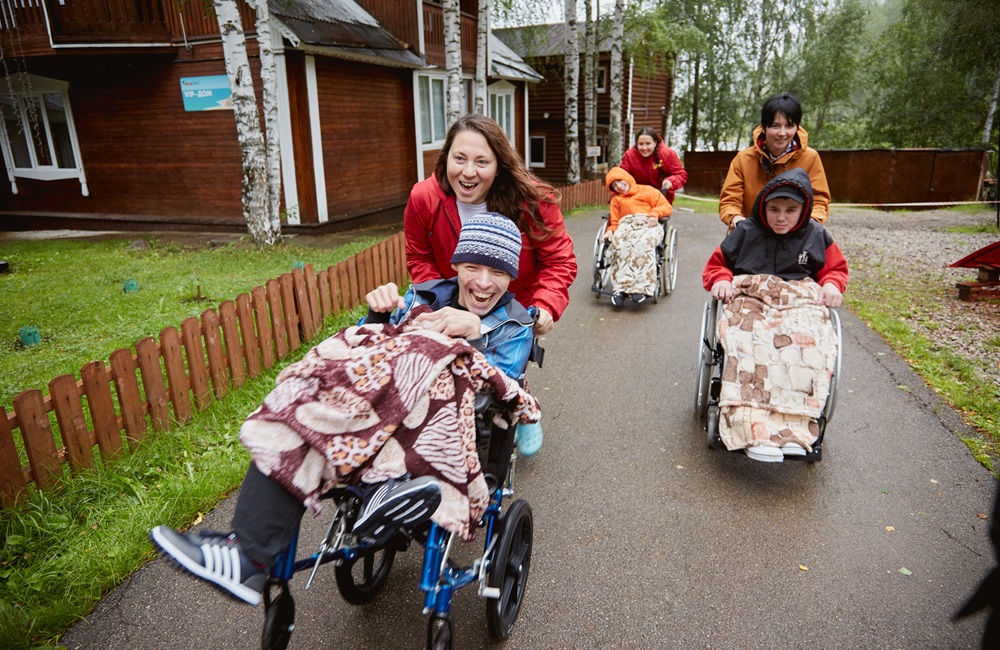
pixel 706 358
pixel 360 580
pixel 669 272
pixel 712 427
pixel 509 569
pixel 602 262
pixel 279 617
pixel 438 633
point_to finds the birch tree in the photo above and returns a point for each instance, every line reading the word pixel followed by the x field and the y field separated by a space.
pixel 482 55
pixel 589 89
pixel 572 83
pixel 248 132
pixel 269 84
pixel 453 58
pixel 615 86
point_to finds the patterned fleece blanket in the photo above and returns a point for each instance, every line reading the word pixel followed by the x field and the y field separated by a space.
pixel 374 402
pixel 781 353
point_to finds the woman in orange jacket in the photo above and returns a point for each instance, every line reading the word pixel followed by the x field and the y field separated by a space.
pixel 780 144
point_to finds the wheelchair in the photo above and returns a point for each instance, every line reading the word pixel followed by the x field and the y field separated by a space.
pixel 666 262
pixel 361 568
pixel 709 381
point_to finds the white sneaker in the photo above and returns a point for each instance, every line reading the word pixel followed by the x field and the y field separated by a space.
pixel 793 449
pixel 765 453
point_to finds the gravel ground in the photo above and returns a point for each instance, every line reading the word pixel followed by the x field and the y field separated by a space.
pixel 914 250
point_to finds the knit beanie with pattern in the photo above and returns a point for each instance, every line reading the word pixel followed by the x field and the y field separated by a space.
pixel 490 239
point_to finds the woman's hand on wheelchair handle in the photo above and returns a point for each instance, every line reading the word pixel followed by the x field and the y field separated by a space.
pixel 722 290
pixel 543 322
pixel 385 298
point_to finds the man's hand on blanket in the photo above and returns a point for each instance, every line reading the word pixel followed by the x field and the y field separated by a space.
pixel 451 322
pixel 722 290
pixel 832 296
pixel 385 298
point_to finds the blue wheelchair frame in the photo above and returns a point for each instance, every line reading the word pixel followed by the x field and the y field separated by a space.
pixel 502 571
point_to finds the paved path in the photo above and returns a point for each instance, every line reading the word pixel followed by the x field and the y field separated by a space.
pixel 647 539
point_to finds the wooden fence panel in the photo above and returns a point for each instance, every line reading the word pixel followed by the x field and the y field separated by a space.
pixel 251 348
pixel 148 355
pixel 12 479
pixel 364 273
pixel 264 333
pixel 197 370
pixel 303 305
pixel 338 287
pixel 77 440
pixel 39 443
pixel 323 285
pixel 291 314
pixel 102 409
pixel 123 368
pixel 213 349
pixel 384 252
pixel 234 348
pixel 177 380
pixel 353 298
pixel 277 317
pixel 314 306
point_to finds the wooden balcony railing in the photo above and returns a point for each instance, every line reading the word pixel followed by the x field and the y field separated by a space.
pixel 103 21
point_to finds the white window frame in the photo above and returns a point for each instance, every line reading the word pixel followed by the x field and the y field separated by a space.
pixel 28 85
pixel 502 92
pixel 601 80
pixel 420 95
pixel 531 161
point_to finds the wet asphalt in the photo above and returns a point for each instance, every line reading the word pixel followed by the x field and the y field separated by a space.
pixel 644 537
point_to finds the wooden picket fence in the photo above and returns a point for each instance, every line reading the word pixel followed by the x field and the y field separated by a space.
pixel 163 382
pixel 590 192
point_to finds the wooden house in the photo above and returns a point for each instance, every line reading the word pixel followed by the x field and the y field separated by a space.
pixel 646 98
pixel 114 115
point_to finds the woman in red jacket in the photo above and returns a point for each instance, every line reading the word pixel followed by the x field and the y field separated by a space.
pixel 478 171
pixel 653 163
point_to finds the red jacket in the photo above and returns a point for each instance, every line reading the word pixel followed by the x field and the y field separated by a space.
pixel 545 271
pixel 663 164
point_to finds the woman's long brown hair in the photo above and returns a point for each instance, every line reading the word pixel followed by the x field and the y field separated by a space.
pixel 515 192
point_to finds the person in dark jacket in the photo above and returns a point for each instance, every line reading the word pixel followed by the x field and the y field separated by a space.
pixel 780 239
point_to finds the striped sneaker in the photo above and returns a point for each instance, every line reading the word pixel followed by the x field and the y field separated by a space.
pixel 216 558
pixel 397 503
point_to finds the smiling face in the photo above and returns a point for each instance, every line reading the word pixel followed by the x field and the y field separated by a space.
pixel 619 186
pixel 645 144
pixel 782 214
pixel 778 134
pixel 480 287
pixel 472 167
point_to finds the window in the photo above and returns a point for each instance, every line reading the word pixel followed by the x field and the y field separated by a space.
pixel 432 123
pixel 601 79
pixel 38 137
pixel 501 106
pixel 536 156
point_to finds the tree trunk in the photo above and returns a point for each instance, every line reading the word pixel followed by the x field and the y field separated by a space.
pixel 695 87
pixel 248 131
pixel 589 100
pixel 572 59
pixel 482 55
pixel 269 83
pixel 453 58
pixel 615 87
pixel 992 111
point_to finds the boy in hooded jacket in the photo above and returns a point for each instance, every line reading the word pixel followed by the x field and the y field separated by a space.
pixel 780 239
pixel 634 229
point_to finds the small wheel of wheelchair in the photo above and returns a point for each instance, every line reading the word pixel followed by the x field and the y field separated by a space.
pixel 360 580
pixel 712 427
pixel 279 617
pixel 438 633
pixel 670 263
pixel 509 569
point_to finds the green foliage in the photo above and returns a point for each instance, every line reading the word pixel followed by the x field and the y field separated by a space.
pixel 73 291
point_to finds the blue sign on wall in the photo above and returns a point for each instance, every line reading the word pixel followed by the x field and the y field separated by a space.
pixel 206 93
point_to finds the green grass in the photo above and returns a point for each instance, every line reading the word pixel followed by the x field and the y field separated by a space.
pixel 989 227
pixel 73 292
pixel 68 547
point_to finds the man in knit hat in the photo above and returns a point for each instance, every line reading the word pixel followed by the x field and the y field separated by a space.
pixel 475 305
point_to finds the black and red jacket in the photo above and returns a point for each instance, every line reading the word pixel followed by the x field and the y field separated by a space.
pixel 752 248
